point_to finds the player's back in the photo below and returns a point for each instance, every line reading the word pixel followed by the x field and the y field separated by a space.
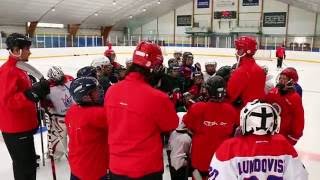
pixel 255 157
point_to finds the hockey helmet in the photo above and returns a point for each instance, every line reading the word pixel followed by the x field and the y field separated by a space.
pixel 259 118
pixel 216 88
pixel 56 74
pixel 87 71
pixel 81 91
pixel 245 46
pixel 147 55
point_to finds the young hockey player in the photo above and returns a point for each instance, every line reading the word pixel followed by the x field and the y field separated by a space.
pixel 137 118
pixel 18 120
pixel 259 153
pixel 179 151
pixel 211 123
pixel 247 81
pixel 57 103
pixel 87 131
pixel 289 103
pixel 210 67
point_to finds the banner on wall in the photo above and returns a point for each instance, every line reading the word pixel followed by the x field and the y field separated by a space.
pixel 250 3
pixel 225 15
pixel 184 20
pixel 274 19
pixel 203 4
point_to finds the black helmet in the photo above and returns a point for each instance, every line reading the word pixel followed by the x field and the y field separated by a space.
pixel 216 87
pixel 87 71
pixel 17 40
pixel 82 87
pixel 224 72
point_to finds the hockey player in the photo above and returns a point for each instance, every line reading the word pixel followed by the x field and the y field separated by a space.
pixel 281 55
pixel 247 81
pixel 137 119
pixel 18 120
pixel 290 106
pixel 87 131
pixel 295 78
pixel 269 84
pixel 195 89
pixel 259 153
pixel 104 72
pixel 111 55
pixel 128 62
pixel 177 55
pixel 211 123
pixel 57 103
pixel 210 67
pixel 179 151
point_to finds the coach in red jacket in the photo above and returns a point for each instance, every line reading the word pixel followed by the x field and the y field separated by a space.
pixel 281 55
pixel 18 120
pixel 137 114
pixel 247 82
pixel 289 102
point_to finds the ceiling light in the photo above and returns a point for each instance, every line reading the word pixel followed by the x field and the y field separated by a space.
pixel 96 14
pixel 130 17
pixel 144 9
pixel 159 2
pixel 114 2
pixel 53 9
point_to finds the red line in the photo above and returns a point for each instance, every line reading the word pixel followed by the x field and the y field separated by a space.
pixel 309 156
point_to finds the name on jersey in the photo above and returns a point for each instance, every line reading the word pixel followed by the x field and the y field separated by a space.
pixel 261 165
pixel 213 123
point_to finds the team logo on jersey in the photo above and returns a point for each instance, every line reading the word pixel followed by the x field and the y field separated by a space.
pixel 214 123
pixel 67 100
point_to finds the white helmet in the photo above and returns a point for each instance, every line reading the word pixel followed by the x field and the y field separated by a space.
pixel 55 73
pixel 129 60
pixel 100 61
pixel 259 118
pixel 210 62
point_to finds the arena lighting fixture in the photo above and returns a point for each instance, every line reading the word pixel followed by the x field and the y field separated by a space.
pixel 96 14
pixel 144 9
pixel 114 2
pixel 130 17
pixel 53 9
pixel 158 2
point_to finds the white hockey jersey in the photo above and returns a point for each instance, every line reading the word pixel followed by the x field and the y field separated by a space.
pixel 206 76
pixel 60 97
pixel 257 158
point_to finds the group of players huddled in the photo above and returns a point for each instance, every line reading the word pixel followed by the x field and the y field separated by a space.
pixel 234 123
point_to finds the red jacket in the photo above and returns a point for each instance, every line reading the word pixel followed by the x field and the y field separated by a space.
pixel 88 149
pixel 18 114
pixel 211 123
pixel 291 112
pixel 281 52
pixel 247 82
pixel 137 114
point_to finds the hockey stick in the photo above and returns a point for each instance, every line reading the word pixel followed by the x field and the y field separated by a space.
pixel 37 74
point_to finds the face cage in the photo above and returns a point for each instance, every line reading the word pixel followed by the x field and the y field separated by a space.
pixel 289 85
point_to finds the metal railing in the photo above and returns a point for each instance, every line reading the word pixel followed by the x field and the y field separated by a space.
pixel 294 43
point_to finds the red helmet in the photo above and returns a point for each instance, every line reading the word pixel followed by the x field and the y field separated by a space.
pixel 247 44
pixel 147 55
pixel 109 51
pixel 291 73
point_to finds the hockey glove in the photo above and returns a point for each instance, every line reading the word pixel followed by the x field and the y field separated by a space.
pixel 38 91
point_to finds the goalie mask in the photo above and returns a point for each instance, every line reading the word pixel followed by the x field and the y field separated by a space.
pixel 259 118
pixel 56 74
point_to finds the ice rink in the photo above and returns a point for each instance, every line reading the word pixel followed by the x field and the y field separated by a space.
pixel 308 146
